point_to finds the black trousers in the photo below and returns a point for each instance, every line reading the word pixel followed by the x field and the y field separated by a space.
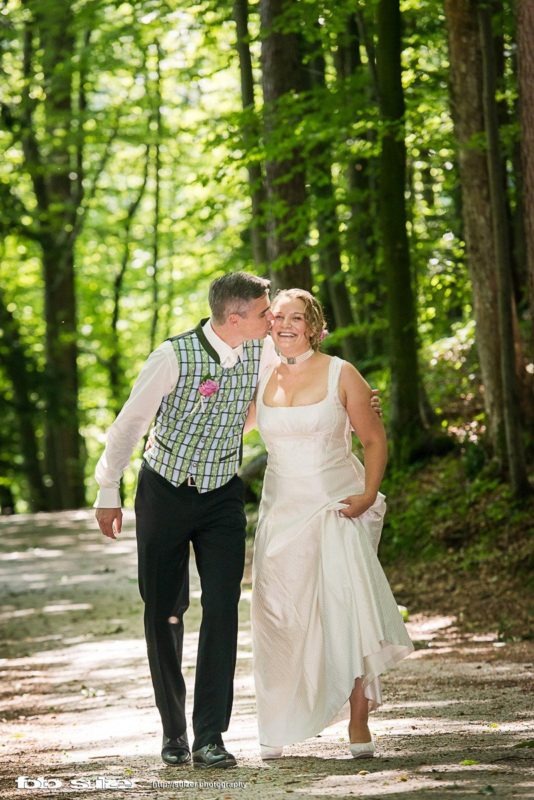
pixel 168 518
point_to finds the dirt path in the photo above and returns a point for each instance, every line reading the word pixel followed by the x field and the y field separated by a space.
pixel 76 699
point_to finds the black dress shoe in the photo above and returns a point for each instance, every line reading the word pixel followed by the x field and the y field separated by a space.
pixel 213 755
pixel 175 751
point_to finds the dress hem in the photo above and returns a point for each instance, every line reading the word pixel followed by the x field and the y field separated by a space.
pixel 369 679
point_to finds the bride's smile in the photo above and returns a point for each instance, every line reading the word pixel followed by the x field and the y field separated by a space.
pixel 289 329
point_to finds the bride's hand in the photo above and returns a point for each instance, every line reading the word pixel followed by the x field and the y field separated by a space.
pixel 357 504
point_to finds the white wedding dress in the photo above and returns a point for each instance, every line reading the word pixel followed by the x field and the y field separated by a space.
pixel 322 610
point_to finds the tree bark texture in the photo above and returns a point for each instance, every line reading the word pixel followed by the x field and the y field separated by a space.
pixel 322 187
pixel 525 65
pixel 23 376
pixel 57 200
pixel 406 421
pixel 514 444
pixel 468 116
pixel 505 116
pixel 285 170
pixel 361 177
pixel 250 134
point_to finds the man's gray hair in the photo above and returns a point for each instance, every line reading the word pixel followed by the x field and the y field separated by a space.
pixel 232 293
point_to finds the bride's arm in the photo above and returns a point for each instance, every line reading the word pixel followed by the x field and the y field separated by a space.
pixel 355 395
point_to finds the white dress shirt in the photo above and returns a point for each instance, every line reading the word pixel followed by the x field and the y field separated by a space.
pixel 158 377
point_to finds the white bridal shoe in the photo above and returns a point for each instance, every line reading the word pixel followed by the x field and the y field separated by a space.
pixel 267 753
pixel 362 749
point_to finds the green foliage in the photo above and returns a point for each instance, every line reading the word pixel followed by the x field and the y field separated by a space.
pixel 133 57
pixel 436 508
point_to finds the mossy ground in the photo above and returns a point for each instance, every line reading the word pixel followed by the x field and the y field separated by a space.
pixel 461 545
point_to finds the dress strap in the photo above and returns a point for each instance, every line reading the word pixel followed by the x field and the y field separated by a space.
pixel 334 373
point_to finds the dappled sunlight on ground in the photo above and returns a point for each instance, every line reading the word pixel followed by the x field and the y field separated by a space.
pixel 76 699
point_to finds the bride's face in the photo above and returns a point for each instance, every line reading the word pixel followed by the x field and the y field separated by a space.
pixel 290 331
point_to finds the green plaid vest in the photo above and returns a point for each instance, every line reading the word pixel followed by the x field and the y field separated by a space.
pixel 197 436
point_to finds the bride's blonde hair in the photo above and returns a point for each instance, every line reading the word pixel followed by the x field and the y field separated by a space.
pixel 313 313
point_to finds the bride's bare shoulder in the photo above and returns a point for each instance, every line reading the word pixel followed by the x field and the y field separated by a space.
pixel 352 382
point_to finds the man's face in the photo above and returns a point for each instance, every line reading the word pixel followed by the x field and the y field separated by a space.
pixel 257 323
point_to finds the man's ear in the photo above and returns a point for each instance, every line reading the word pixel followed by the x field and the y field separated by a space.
pixel 233 319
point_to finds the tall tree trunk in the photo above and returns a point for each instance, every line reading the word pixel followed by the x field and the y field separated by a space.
pixel 521 275
pixel 523 161
pixel 407 424
pixel 361 238
pixel 525 66
pixel 63 445
pixel 57 207
pixel 468 116
pixel 514 444
pixel 50 130
pixel 22 373
pixel 359 229
pixel 250 134
pixel 322 186
pixel 285 171
pixel 503 118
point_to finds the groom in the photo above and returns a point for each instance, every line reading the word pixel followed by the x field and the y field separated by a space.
pixel 199 386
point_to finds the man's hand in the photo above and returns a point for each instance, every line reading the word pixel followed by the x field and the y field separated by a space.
pixel 110 521
pixel 375 402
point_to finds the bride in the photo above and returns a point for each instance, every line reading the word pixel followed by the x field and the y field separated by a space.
pixel 324 621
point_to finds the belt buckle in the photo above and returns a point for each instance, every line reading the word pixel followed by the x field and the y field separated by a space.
pixel 190 480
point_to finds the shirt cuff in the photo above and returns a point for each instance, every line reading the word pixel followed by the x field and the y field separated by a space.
pixel 108 498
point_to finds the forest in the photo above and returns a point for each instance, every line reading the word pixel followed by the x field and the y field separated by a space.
pixel 377 152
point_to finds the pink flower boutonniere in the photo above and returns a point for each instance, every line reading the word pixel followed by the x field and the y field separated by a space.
pixel 208 387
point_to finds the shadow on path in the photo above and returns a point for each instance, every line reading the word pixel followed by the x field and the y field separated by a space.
pixel 77 712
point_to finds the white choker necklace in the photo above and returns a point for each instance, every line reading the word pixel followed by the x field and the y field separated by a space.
pixel 296 359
